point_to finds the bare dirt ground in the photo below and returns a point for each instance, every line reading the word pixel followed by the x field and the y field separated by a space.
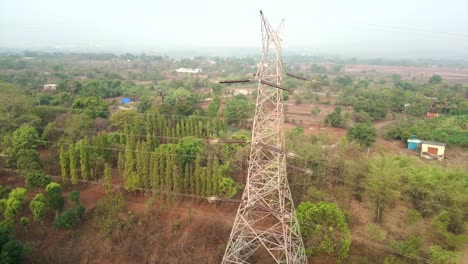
pixel 452 74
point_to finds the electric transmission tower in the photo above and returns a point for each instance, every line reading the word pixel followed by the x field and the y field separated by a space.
pixel 266 216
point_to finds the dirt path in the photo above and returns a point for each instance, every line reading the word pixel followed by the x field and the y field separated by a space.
pixel 380 125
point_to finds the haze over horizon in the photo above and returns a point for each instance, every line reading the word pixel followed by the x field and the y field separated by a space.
pixel 362 28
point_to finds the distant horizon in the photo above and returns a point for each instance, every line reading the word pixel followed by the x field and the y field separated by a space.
pixel 362 28
pixel 220 51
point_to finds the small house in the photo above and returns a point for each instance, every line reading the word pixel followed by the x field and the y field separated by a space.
pixel 414 143
pixel 433 150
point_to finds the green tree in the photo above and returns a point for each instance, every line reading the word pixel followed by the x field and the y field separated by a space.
pixel 324 229
pixel 440 256
pixel 83 147
pixel 37 179
pixel 227 187
pixel 22 151
pixel 91 106
pixel 188 148
pixel 335 119
pixel 73 164
pixel 37 206
pixel 107 178
pixel 213 108
pixel 64 166
pixel 363 133
pixel 24 221
pixel 237 110
pixel 383 183
pixel 435 79
pixel 54 197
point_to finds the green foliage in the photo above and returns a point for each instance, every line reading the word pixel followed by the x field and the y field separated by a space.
pixel 16 110
pixel 11 251
pixel 435 79
pixel 410 246
pixel 72 153
pixel 64 167
pixel 365 134
pixel 54 196
pixel 440 256
pixel 107 178
pixel 383 182
pixel 237 110
pixel 37 206
pixel 105 215
pixel 188 148
pixel 22 151
pixel 213 108
pixel 228 188
pixel 375 233
pixel 446 129
pixel 123 117
pixel 37 179
pixel 74 196
pixel 335 119
pixel 24 221
pixel 69 218
pixel 91 106
pixel 324 229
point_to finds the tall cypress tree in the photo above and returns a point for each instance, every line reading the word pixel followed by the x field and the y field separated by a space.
pixel 129 156
pixel 197 176
pixel 73 164
pixel 216 177
pixel 121 164
pixel 107 178
pixel 64 163
pixel 84 158
pixel 155 170
pixel 209 176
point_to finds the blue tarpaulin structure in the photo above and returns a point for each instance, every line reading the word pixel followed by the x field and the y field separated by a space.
pixel 126 100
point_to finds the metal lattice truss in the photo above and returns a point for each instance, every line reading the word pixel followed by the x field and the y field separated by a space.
pixel 266 216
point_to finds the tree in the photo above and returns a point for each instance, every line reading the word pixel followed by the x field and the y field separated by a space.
pixel 188 148
pixel 54 197
pixel 24 221
pixel 335 119
pixel 363 133
pixel 227 187
pixel 213 108
pixel 74 196
pixel 37 179
pixel 324 229
pixel 441 256
pixel 435 79
pixel 69 218
pixel 91 106
pixel 16 110
pixel 22 151
pixel 237 110
pixel 107 178
pixel 73 164
pixel 37 206
pixel 315 111
pixel 382 182
pixel 83 147
pixel 64 167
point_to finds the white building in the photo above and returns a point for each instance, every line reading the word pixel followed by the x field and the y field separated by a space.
pixel 433 150
pixel 50 87
pixel 188 70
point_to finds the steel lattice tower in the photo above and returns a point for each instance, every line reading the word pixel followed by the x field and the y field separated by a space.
pixel 266 216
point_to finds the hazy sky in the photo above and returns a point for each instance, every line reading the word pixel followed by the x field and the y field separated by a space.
pixel 429 28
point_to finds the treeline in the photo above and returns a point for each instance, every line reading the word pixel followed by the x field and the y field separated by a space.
pixel 447 129
pixel 169 157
